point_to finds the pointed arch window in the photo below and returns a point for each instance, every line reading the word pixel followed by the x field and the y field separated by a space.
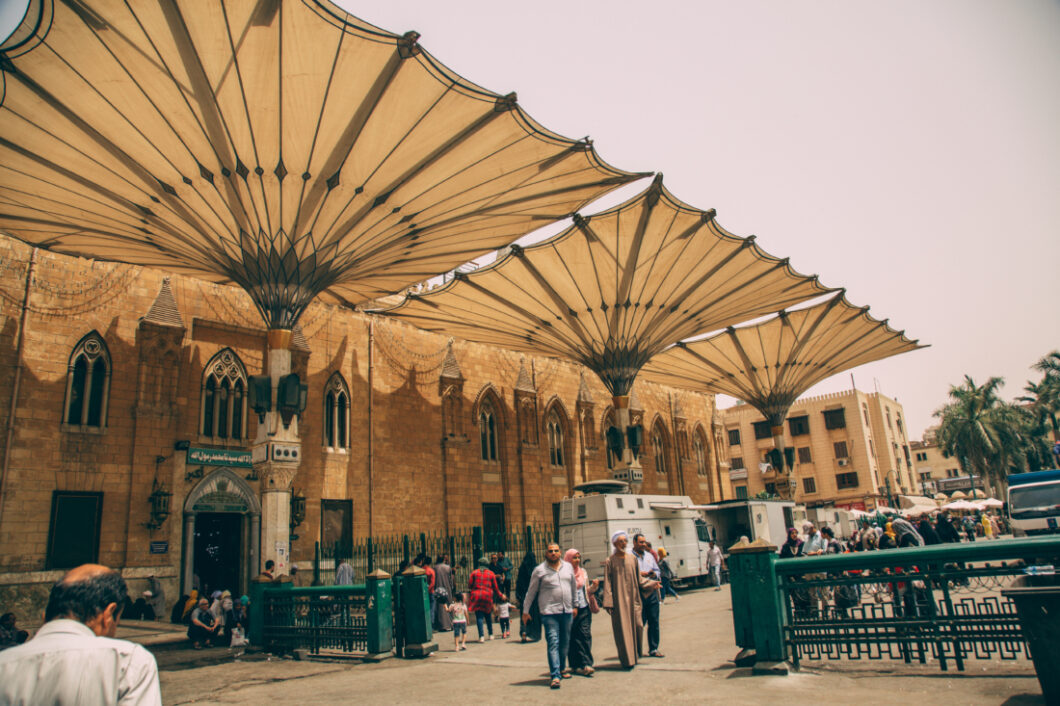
pixel 487 431
pixel 224 398
pixel 555 439
pixel 658 444
pixel 699 449
pixel 88 384
pixel 336 413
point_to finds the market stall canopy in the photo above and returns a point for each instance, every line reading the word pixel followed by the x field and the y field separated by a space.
pixel 768 365
pixel 615 288
pixel 283 145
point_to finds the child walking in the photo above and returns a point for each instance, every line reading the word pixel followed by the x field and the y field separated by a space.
pixel 458 609
pixel 503 617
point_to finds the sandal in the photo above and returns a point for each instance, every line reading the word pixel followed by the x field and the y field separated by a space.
pixel 565 674
pixel 554 684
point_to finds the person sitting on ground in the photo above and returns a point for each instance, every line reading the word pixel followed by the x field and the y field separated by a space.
pixel 10 635
pixel 74 658
pixel 203 629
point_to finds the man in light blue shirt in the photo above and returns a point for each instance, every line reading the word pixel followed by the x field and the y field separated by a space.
pixel 815 543
pixel 649 568
pixel 553 585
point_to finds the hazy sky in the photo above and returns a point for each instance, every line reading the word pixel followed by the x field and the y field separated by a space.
pixel 906 150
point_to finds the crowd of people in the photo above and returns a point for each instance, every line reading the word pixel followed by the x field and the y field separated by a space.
pixel 556 597
pixel 895 532
pixel 908 595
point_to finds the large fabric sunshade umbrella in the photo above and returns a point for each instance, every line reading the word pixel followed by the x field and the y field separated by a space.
pixel 769 364
pixel 282 145
pixel 615 288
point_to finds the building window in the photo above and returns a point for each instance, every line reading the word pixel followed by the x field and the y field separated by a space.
pixel 771 489
pixel 737 463
pixel 734 437
pixel 555 440
pixel 840 449
pixel 846 480
pixel 925 477
pixel 336 525
pixel 73 535
pixel 336 413
pixel 804 455
pixel 224 398
pixel 762 430
pixel 887 413
pixel 700 449
pixel 865 412
pixel 658 445
pixel 809 485
pixel 487 431
pixel 898 423
pixel 921 456
pixel 799 426
pixel 741 492
pixel 872 448
pixel 88 383
pixel 835 419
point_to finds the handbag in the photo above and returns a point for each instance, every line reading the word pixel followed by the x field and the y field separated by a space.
pixel 594 607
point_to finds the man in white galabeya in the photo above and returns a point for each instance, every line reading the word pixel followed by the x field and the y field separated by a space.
pixel 74 658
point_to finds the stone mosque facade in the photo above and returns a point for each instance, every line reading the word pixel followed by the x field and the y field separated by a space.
pixel 121 384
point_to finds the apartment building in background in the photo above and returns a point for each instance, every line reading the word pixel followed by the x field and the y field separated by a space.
pixel 851 449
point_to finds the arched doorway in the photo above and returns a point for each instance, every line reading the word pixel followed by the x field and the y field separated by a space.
pixel 222 529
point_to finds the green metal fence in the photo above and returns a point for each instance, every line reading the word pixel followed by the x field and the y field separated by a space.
pixel 316 619
pixel 463 546
pixel 939 603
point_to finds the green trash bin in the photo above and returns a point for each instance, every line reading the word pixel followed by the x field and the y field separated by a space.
pixel 1037 599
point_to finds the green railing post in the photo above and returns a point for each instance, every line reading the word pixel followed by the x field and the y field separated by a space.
pixel 256 636
pixel 405 549
pixel 529 540
pixel 758 606
pixel 379 615
pixel 417 612
pixel 370 551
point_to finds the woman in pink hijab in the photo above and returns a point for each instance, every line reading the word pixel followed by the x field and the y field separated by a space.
pixel 580 654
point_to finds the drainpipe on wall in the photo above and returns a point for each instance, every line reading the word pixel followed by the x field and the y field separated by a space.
pixel 371 430
pixel 16 385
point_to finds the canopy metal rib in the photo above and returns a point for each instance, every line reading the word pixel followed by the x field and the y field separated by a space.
pixel 611 291
pixel 285 146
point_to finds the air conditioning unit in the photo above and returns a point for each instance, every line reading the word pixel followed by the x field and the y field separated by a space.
pixel 844 462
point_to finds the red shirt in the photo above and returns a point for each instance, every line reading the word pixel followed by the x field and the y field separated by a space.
pixel 430 578
pixel 483 586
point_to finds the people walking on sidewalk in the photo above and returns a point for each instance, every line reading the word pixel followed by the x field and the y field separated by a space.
pixel 714 564
pixel 622 599
pixel 528 632
pixel 649 569
pixel 668 576
pixel 580 654
pixel 552 588
pixel 484 589
pixel 457 610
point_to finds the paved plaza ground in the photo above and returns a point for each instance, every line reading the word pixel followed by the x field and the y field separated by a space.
pixel 697 639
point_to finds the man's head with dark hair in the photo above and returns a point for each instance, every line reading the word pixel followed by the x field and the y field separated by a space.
pixel 827 532
pixel 91 594
pixel 270 565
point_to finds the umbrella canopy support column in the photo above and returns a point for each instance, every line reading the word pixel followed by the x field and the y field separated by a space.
pixel 277 455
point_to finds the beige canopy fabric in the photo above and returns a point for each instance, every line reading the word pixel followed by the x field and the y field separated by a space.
pixel 768 365
pixel 280 144
pixel 615 288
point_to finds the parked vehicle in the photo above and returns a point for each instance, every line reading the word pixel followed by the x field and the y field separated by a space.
pixel 1034 502
pixel 600 508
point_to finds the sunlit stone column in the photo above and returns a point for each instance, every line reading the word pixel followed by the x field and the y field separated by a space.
pixel 277 454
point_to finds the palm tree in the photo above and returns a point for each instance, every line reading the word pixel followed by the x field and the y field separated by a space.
pixel 1043 402
pixel 981 431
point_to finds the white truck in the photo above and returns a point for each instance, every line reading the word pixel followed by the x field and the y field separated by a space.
pixel 600 508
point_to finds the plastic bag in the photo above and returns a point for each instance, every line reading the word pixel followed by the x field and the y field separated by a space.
pixel 239 638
